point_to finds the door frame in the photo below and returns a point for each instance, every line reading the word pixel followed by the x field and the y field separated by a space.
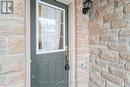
pixel 72 46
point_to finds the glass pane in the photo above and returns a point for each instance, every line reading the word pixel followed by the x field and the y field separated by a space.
pixel 50 28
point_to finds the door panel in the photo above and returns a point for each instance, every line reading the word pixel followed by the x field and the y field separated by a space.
pixel 43 73
pixel 48 67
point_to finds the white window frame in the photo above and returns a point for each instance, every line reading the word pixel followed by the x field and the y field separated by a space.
pixel 37 28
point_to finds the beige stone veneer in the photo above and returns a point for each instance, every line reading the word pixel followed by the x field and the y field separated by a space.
pixel 102 42
pixel 109 34
pixel 12 47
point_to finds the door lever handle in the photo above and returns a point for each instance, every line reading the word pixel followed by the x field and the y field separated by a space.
pixel 67 67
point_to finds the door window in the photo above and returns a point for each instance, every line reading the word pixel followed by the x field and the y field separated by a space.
pixel 50 28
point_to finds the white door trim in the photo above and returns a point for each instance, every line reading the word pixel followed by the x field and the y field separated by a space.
pixel 72 32
pixel 71 44
pixel 28 53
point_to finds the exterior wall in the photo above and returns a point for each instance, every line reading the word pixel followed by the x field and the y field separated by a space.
pixel 107 53
pixel 109 40
pixel 82 47
pixel 12 47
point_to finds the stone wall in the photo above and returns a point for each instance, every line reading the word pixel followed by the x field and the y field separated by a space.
pixel 12 47
pixel 109 40
pixel 82 47
pixel 109 45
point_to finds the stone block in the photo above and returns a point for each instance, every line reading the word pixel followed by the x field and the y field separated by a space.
pixel 125 56
pixel 3 43
pixel 95 67
pixel 4 65
pixel 12 29
pixel 19 8
pixel 125 32
pixel 110 84
pixel 112 78
pixel 116 65
pixel 101 62
pixel 92 84
pixel 127 67
pixel 117 47
pixel 120 24
pixel 103 2
pixel 120 11
pixel 122 39
pixel 107 26
pixel 128 77
pixel 109 38
pixel 127 1
pixel 94 40
pixel 105 10
pixel 18 63
pixel 95 76
pixel 126 10
pixel 16 45
pixel 96 27
pixel 112 17
pixel 108 55
pixel 16 77
pixel 118 72
pixel 119 3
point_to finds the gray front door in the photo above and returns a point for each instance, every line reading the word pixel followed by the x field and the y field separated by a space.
pixel 49 44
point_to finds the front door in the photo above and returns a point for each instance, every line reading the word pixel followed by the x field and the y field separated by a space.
pixel 49 66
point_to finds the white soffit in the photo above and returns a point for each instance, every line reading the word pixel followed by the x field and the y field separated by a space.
pixel 67 2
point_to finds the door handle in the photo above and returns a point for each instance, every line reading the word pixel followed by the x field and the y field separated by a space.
pixel 67 66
